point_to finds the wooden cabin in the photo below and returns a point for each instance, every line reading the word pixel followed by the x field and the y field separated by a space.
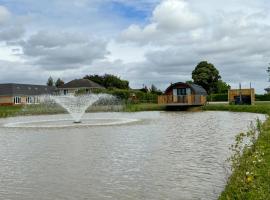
pixel 183 94
pixel 241 96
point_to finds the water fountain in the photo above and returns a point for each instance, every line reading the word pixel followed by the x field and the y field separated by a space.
pixel 77 105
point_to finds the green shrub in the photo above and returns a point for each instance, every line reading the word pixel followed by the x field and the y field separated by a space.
pixel 262 97
pixel 217 97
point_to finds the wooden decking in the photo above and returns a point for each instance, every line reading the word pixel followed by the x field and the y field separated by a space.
pixel 183 100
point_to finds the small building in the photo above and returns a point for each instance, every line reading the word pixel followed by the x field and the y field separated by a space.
pixel 241 96
pixel 183 94
pixel 17 94
pixel 79 85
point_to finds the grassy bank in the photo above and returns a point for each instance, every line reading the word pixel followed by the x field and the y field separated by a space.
pixel 250 179
pixel 263 108
pixel 8 111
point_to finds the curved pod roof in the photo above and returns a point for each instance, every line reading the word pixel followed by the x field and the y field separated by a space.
pixel 199 90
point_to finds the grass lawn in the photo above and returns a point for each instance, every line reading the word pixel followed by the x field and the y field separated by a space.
pixel 263 108
pixel 7 111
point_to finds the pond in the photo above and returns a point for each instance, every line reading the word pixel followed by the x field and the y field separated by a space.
pixel 145 155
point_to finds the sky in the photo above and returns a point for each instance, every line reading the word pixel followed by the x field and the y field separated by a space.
pixel 145 41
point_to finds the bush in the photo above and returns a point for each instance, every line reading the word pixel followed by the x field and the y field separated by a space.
pixel 262 97
pixel 217 97
pixel 126 95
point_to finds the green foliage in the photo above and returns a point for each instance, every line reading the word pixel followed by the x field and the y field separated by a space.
pixel 50 81
pixel 206 75
pixel 189 82
pixel 109 81
pixel 59 82
pixel 135 96
pixel 222 87
pixel 259 108
pixel 154 90
pixel 262 97
pixel 9 111
pixel 217 97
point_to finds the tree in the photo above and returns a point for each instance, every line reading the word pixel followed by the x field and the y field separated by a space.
pixel 144 89
pixel 109 81
pixel 206 75
pixel 154 90
pixel 189 82
pixel 59 82
pixel 222 87
pixel 50 81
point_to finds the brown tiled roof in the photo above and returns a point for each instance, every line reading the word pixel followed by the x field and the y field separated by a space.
pixel 81 83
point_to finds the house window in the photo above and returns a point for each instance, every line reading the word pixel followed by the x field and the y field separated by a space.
pixel 17 100
pixel 29 100
pixel 36 100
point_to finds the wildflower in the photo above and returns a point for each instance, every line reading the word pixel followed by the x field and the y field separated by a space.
pixel 247 173
pixel 249 179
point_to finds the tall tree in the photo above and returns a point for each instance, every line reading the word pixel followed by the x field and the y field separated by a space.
pixel 50 81
pixel 206 75
pixel 222 87
pixel 109 81
pixel 59 82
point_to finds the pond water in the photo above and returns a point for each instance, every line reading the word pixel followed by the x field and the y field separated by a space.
pixel 145 155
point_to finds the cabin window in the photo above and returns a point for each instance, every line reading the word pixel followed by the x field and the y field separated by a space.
pixel 17 100
pixel 181 91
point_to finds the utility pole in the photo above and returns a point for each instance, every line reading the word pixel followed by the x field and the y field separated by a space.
pixel 240 93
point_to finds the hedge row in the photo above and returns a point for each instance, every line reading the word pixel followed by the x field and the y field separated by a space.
pixel 262 97
pixel 132 95
pixel 217 97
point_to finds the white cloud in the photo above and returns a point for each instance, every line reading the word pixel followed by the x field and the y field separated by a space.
pixel 175 15
pixel 163 48
pixel 4 14
pixel 169 17
pixel 62 50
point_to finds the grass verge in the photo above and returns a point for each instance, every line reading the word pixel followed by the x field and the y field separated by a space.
pixel 250 179
pixel 258 108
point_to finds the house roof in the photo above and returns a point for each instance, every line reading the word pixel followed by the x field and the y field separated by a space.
pixel 199 90
pixel 14 89
pixel 81 83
